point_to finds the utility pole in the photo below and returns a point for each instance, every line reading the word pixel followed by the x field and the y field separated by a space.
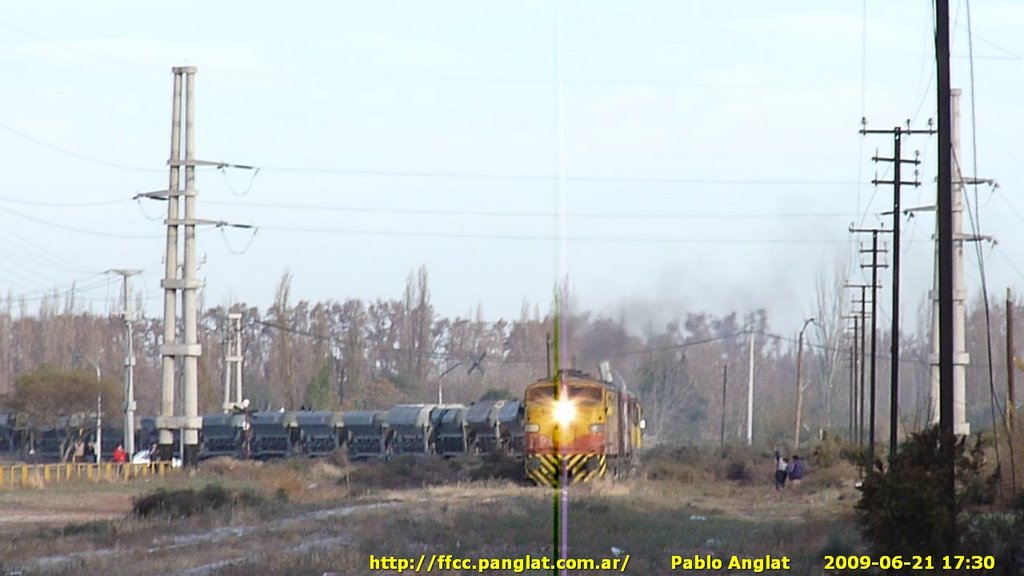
pixel 863 353
pixel 944 206
pixel 173 351
pixel 725 380
pixel 1010 406
pixel 233 362
pixel 1010 400
pixel 897 182
pixel 853 389
pixel 99 401
pixel 854 372
pixel 874 265
pixel 960 358
pixel 548 345
pixel 799 384
pixel 750 393
pixel 129 316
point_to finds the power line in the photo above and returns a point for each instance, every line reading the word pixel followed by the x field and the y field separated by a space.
pixel 77 230
pixel 74 154
pixel 524 214
pixel 552 177
pixel 619 239
pixel 65 204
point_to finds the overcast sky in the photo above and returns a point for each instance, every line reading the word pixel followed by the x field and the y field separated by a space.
pixel 667 156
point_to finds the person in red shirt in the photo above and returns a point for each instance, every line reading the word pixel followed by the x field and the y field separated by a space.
pixel 120 456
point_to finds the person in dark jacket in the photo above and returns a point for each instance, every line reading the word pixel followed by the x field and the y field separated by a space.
pixel 796 470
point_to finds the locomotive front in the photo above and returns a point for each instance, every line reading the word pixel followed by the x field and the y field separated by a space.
pixel 565 429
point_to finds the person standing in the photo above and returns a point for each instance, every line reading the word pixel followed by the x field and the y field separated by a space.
pixel 796 470
pixel 781 471
pixel 79 454
pixel 120 456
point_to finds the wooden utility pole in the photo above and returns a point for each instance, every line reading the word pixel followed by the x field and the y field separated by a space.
pixel 863 353
pixel 854 374
pixel 799 384
pixel 1010 406
pixel 874 265
pixel 897 182
pixel 725 380
pixel 944 207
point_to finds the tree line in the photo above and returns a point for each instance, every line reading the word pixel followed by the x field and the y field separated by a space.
pixel 691 374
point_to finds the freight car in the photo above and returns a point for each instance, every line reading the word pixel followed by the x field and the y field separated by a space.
pixel 319 432
pixel 13 431
pixel 368 434
pixel 576 426
pixel 510 427
pixel 412 428
pixel 484 430
pixel 271 435
pixel 450 430
pixel 222 436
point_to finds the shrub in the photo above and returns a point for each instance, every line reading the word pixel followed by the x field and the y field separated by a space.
pixel 190 502
pixel 738 470
pixel 903 511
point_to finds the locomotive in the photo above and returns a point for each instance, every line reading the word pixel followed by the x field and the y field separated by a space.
pixel 577 426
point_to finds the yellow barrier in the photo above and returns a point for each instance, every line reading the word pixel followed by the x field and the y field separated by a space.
pixel 22 475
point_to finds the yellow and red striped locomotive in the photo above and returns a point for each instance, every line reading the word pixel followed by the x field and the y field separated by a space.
pixel 577 427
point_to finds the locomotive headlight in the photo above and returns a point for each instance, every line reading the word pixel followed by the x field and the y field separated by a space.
pixel 565 412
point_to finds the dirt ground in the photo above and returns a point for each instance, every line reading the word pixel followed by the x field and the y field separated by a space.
pixel 325 519
pixel 56 506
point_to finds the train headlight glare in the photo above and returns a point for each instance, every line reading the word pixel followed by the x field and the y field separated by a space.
pixel 532 428
pixel 565 412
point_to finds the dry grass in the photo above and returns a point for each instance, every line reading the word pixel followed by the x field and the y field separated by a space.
pixel 323 516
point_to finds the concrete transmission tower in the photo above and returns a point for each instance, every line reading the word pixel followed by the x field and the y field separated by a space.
pixel 173 350
pixel 129 315
pixel 233 362
pixel 961 427
pixel 182 349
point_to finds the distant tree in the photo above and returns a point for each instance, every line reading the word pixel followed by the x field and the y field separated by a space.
pixel 48 393
pixel 280 314
pixel 319 392
pixel 496 394
pixel 674 407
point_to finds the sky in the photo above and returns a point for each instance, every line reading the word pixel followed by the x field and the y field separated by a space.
pixel 667 157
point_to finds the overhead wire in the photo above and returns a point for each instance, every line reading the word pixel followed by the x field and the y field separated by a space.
pixel 73 154
pixel 64 204
pixel 524 214
pixel 549 238
pixel 975 219
pixel 43 256
pixel 76 229
pixel 553 177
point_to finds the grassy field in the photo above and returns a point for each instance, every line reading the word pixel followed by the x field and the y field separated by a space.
pixel 330 517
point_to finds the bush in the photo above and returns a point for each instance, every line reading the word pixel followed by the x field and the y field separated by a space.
pixel 738 470
pixel 189 502
pixel 903 511
pixel 999 534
